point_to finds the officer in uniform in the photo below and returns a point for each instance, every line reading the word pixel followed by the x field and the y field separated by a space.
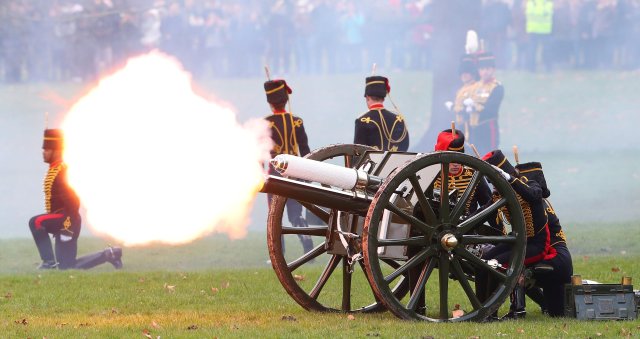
pixel 485 105
pixel 548 291
pixel 530 197
pixel 463 104
pixel 62 217
pixel 289 137
pixel 380 128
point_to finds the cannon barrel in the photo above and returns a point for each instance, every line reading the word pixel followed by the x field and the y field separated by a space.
pixel 328 174
pixel 345 189
pixel 349 201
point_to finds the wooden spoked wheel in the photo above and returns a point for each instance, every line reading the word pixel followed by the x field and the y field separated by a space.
pixel 440 261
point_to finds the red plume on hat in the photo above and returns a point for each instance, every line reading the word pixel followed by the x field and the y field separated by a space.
pixel 448 141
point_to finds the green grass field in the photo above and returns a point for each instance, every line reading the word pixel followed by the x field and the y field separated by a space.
pixel 580 125
pixel 220 288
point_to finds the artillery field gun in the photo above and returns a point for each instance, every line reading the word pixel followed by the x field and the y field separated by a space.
pixel 383 226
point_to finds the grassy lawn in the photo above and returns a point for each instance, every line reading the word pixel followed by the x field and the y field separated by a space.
pixel 219 288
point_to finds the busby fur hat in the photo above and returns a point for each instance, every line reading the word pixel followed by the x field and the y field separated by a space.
pixel 377 86
pixel 486 60
pixel 53 139
pixel 468 65
pixel 498 159
pixel 533 171
pixel 448 142
pixel 277 91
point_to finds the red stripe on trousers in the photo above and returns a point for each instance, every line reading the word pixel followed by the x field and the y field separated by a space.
pixel 42 218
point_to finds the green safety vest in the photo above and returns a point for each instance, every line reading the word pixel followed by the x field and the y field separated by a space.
pixel 539 16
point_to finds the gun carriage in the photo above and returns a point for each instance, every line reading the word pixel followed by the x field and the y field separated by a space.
pixel 387 228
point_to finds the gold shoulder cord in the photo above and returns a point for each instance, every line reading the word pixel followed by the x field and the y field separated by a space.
pixel 285 141
pixel 389 132
pixel 294 124
pixel 368 120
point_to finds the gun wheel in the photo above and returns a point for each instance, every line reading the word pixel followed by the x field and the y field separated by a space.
pixel 321 279
pixel 440 264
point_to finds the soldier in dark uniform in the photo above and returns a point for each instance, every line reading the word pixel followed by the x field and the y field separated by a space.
pixel 529 194
pixel 463 104
pixel 548 291
pixel 380 128
pixel 289 137
pixel 486 101
pixel 460 176
pixel 62 217
pixel 459 179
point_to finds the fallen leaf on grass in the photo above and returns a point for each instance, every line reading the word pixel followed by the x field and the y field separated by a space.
pixel 298 277
pixel 214 290
pixel 154 324
pixel 8 295
pixel 140 280
pixel 22 322
pixel 598 334
pixel 170 288
pixel 225 284
pixel 520 330
pixel 289 318
pixel 114 310
pixel 457 312
pixel 615 269
pixel 351 317
pixel 192 327
pixel 373 334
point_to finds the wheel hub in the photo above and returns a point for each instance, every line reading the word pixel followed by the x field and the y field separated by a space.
pixel 449 241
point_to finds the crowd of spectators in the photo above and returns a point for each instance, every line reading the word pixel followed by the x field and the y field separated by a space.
pixel 61 40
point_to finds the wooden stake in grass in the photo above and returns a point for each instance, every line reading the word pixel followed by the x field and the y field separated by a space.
pixel 515 154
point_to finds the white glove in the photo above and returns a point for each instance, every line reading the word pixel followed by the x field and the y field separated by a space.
pixel 448 105
pixel 504 174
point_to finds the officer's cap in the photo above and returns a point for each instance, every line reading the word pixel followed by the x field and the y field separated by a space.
pixel 498 159
pixel 533 171
pixel 53 139
pixel 448 142
pixel 377 86
pixel 277 91
pixel 486 60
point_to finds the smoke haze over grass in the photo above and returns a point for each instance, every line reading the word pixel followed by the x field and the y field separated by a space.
pixel 580 125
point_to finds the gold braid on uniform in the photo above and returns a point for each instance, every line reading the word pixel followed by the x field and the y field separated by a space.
pixel 559 235
pixel 389 132
pixel 52 173
pixel 277 147
pixel 294 145
pixel 459 182
pixel 368 120
pixel 526 211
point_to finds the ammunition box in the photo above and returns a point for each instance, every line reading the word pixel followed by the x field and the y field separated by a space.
pixel 600 302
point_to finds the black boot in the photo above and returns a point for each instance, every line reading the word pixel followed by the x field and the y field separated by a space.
pixel 517 309
pixel 113 255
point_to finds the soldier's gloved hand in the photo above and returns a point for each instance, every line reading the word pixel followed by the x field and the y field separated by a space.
pixel 504 174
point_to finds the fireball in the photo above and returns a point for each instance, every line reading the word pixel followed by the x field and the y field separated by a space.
pixel 153 162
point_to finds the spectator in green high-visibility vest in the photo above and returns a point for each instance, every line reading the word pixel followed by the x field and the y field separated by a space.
pixel 539 27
